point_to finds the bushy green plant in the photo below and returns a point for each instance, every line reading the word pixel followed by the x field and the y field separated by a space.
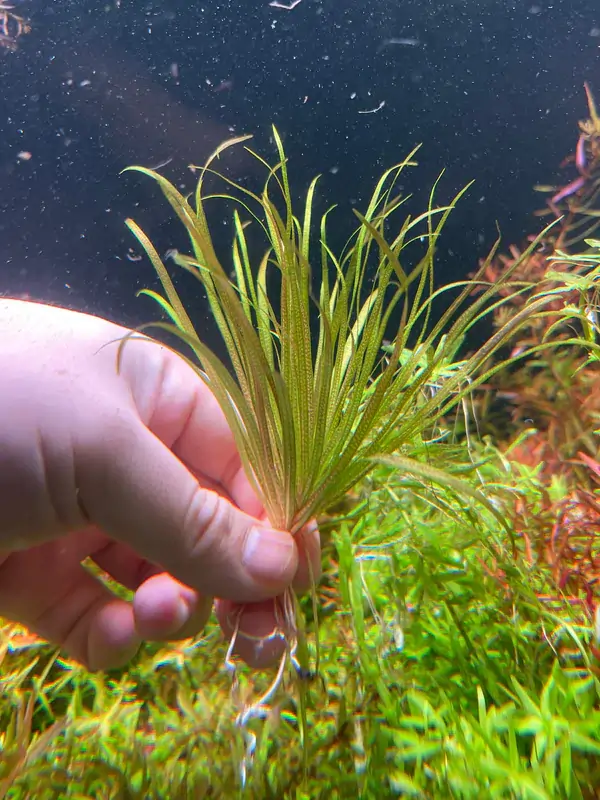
pixel 442 675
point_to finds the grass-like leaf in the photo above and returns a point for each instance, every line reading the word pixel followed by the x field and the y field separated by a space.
pixel 309 415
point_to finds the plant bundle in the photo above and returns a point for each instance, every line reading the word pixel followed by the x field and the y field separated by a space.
pixel 312 399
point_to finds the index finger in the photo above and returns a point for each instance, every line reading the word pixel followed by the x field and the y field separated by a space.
pixel 185 415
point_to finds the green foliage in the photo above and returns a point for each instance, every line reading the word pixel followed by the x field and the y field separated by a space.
pixel 441 676
pixel 308 420
pixel 579 274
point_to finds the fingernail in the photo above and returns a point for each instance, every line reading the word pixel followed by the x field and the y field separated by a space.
pixel 270 555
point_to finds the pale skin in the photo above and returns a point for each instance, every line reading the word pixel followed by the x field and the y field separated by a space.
pixel 137 469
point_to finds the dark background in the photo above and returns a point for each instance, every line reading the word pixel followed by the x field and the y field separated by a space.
pixel 492 89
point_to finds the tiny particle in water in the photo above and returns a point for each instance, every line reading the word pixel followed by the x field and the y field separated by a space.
pixel 535 10
pixel 290 7
pixel 402 41
pixel 225 85
pixel 131 255
pixel 373 110
pixel 405 41
pixel 24 155
pixel 595 32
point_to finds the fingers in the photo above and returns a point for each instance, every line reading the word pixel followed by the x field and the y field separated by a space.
pixel 136 491
pixel 146 456
pixel 163 608
pixel 103 635
pixel 259 627
pixel 121 562
pixel 308 542
pixel 176 405
pixel 259 640
pixel 70 607
pixel 143 453
pixel 47 589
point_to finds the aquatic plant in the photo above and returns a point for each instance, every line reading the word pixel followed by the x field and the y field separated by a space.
pixel 554 389
pixel 308 419
pixel 576 203
pixel 553 398
pixel 450 666
pixel 312 416
pixel 442 676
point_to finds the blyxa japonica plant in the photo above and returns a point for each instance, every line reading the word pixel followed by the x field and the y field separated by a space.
pixel 313 399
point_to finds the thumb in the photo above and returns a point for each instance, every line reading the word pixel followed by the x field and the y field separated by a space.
pixel 136 490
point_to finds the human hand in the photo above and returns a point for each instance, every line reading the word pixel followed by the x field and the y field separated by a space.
pixel 137 470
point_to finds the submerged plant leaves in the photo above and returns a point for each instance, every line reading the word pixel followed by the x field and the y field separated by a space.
pixel 310 418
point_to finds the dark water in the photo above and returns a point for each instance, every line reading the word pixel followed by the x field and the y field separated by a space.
pixel 492 89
